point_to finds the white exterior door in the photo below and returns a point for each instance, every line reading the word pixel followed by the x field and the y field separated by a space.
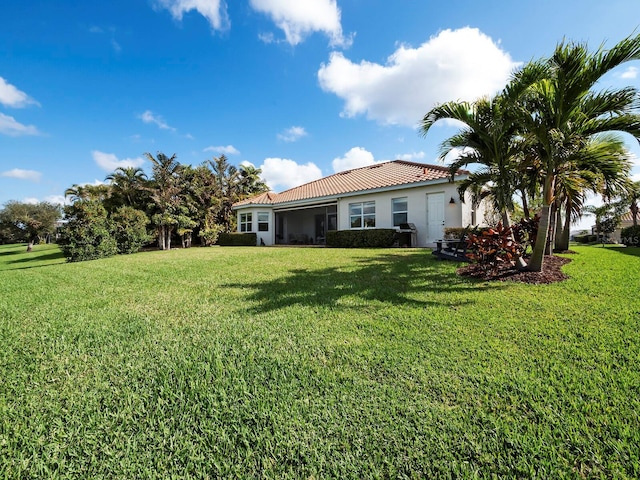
pixel 435 216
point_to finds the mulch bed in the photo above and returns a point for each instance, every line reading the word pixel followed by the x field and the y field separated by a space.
pixel 551 272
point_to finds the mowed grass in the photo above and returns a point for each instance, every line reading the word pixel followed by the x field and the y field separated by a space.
pixel 315 363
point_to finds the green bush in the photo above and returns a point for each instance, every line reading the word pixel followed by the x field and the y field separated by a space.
pixel 130 229
pixel 238 239
pixel 454 232
pixel 630 236
pixel 370 238
pixel 581 238
pixel 88 232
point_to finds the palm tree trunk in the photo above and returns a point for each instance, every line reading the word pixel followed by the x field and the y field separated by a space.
pixel 634 213
pixel 537 257
pixel 557 238
pixel 525 204
pixel 548 249
pixel 563 242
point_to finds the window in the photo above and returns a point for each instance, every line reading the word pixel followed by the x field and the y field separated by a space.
pixel 245 222
pixel 399 210
pixel 263 221
pixel 362 215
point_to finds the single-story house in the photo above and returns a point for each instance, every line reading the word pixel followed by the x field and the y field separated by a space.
pixel 384 195
pixel 625 221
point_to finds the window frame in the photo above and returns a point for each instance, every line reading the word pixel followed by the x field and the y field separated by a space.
pixel 366 219
pixel 246 220
pixel 395 212
pixel 263 222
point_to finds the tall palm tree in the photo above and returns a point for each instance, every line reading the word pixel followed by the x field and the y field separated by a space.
pixel 563 113
pixel 226 181
pixel 165 193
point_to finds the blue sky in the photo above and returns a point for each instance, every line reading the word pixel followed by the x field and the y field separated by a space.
pixel 300 88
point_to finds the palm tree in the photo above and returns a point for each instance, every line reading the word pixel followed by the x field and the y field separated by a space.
pixel 226 181
pixel 599 167
pixel 488 140
pixel 249 182
pixel 165 191
pixel 563 113
pixel 127 183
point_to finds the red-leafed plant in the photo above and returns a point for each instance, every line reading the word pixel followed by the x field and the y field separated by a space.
pixel 493 248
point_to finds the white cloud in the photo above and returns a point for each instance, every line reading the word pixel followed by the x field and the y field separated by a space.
pixel 10 96
pixel 267 37
pixel 57 199
pixel 630 73
pixel 282 173
pixel 31 200
pixel 116 46
pixel 292 134
pixel 30 175
pixel 410 156
pixel 354 158
pixel 636 177
pixel 109 162
pixel 228 150
pixel 10 126
pixel 149 117
pixel 299 18
pixel 459 64
pixel 215 11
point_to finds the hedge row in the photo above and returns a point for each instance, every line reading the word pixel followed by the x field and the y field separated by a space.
pixel 630 236
pixel 375 238
pixel 238 239
pixel 586 238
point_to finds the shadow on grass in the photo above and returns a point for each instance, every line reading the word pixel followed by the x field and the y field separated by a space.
pixel 39 258
pixel 633 251
pixel 12 250
pixel 389 278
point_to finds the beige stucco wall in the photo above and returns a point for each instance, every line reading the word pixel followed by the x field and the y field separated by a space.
pixel 456 215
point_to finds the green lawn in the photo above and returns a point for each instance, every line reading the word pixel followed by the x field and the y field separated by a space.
pixel 315 363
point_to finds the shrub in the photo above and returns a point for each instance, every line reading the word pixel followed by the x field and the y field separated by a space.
pixel 493 248
pixel 582 238
pixel 130 229
pixel 630 236
pixel 238 239
pixel 454 232
pixel 210 235
pixel 87 234
pixel 370 238
pixel 525 231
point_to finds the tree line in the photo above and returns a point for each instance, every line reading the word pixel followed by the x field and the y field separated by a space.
pixel 549 138
pixel 177 201
pixel 131 209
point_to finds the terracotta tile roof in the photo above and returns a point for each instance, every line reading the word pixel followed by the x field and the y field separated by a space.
pixel 379 175
pixel 627 218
